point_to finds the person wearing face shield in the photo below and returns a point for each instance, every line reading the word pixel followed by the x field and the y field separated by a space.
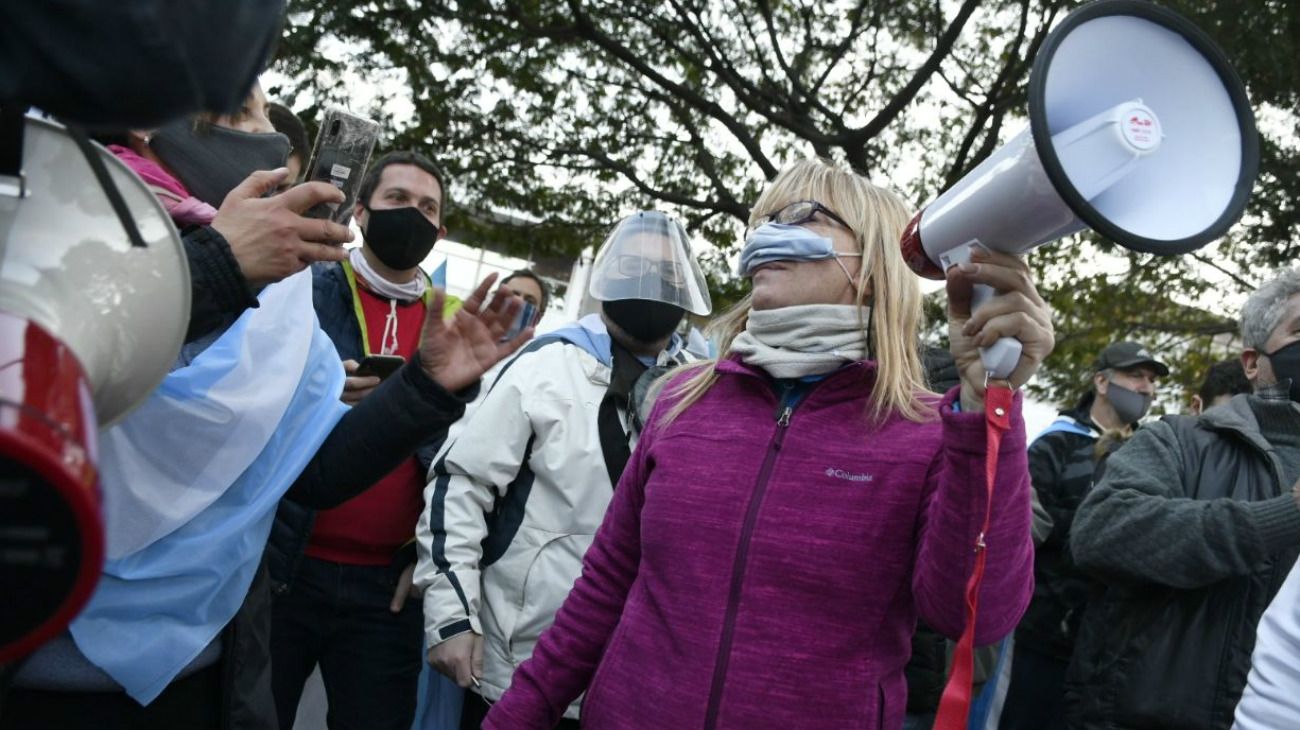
pixel 514 500
pixel 1191 532
pixel 341 577
pixel 1062 461
pixel 176 634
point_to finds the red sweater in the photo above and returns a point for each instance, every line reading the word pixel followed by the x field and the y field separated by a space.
pixel 369 528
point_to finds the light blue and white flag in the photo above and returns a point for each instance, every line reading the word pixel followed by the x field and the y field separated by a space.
pixel 191 483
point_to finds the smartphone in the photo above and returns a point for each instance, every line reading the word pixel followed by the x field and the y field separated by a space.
pixel 379 365
pixel 340 157
pixel 522 321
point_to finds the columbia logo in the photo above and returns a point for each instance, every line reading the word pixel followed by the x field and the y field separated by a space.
pixel 848 476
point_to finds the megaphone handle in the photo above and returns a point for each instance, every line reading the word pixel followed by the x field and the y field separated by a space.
pixel 1001 357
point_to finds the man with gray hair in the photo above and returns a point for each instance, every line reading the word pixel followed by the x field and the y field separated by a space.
pixel 1193 530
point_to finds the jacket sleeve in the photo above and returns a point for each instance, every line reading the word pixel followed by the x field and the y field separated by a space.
pixel 1137 525
pixel 218 288
pixel 952 513
pixel 467 477
pixel 375 435
pixel 1042 519
pixel 1272 696
pixel 565 658
pixel 1047 460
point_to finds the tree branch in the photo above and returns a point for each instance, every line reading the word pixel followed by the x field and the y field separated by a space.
pixel 588 30
pixel 899 102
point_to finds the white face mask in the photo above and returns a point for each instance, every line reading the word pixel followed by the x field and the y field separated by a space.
pixel 789 242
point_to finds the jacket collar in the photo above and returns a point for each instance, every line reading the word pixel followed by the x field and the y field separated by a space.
pixel 1236 417
pixel 855 375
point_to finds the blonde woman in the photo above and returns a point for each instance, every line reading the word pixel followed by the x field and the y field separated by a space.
pixel 795 505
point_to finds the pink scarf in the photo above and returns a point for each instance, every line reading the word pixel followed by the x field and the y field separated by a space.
pixel 184 208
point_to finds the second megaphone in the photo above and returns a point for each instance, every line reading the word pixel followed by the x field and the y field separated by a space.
pixel 1138 129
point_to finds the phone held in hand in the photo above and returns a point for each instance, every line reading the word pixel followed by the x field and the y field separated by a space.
pixel 522 321
pixel 340 157
pixel 380 366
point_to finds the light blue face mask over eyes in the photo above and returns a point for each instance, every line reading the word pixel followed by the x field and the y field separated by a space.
pixel 786 242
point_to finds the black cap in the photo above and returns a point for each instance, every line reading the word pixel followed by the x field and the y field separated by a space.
pixel 1124 355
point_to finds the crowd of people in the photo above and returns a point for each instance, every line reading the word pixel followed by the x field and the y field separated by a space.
pixel 604 527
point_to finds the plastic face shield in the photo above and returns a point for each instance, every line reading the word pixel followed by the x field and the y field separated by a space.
pixel 648 256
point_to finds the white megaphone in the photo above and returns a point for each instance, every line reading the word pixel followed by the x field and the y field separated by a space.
pixel 89 325
pixel 1138 128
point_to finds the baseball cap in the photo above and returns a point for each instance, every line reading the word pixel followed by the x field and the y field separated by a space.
pixel 1124 355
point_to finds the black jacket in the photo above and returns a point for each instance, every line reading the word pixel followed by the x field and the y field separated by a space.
pixel 1061 465
pixel 1192 530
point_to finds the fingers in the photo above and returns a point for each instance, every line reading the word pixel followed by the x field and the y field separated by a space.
pixel 357 387
pixel 350 366
pixel 403 590
pixel 1018 325
pixel 463 673
pixel 1003 272
pixel 499 299
pixel 1016 310
pixel 439 302
pixel 302 197
pixel 475 301
pixel 1004 304
pixel 361 382
pixel 961 291
pixel 433 321
pixel 319 230
pixel 310 253
pixel 502 314
pixel 454 656
pixel 476 659
pixel 258 184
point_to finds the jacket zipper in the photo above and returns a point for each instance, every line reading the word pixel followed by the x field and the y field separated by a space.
pixel 784 410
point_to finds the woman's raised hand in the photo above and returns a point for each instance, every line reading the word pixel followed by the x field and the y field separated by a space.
pixel 1016 310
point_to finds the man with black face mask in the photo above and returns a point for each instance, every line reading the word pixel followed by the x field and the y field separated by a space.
pixel 1192 530
pixel 515 499
pixel 342 576
pixel 1061 462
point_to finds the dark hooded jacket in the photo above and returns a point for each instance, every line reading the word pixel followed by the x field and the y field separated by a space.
pixel 1192 531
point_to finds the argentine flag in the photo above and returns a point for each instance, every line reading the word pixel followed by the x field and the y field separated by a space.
pixel 191 482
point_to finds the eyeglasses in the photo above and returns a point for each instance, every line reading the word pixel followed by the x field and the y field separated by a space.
pixel 801 211
pixel 636 267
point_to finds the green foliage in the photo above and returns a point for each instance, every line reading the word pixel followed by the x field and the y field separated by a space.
pixel 565 114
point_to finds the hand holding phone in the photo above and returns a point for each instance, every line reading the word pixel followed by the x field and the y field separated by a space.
pixel 340 157
pixel 379 366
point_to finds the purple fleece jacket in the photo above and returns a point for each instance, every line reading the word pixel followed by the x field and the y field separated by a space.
pixel 755 575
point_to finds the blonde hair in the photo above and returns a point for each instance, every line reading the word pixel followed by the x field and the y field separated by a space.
pixel 878 217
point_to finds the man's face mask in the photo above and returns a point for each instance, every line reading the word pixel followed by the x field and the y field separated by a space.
pixel 644 320
pixel 399 237
pixel 1129 404
pixel 788 242
pixel 213 162
pixel 1286 365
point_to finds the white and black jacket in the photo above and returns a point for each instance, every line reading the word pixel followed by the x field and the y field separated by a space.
pixel 514 500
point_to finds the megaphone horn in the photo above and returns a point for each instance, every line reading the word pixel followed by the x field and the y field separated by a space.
pixel 1138 129
pixel 90 322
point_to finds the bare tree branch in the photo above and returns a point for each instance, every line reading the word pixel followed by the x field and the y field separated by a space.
pixel 588 30
pixel 900 100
